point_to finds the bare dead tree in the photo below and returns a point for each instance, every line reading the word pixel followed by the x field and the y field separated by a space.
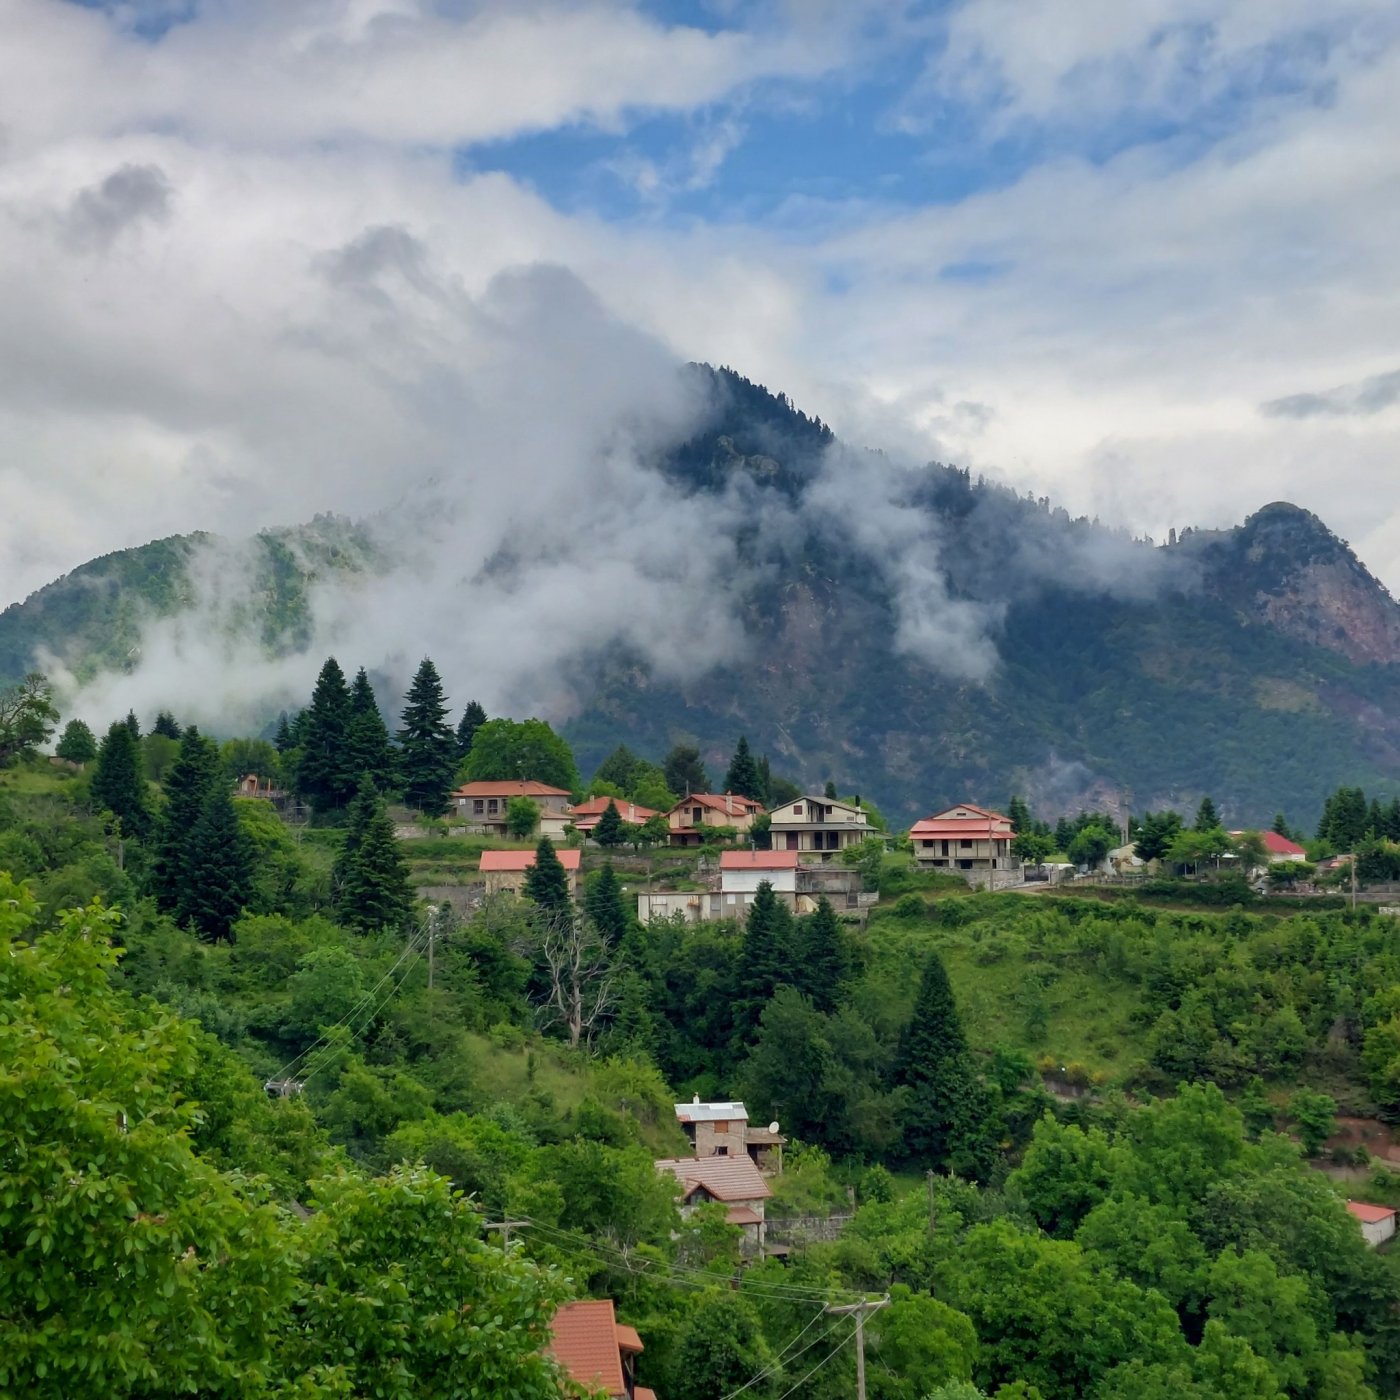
pixel 580 976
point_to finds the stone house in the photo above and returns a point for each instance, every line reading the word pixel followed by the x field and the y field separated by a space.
pixel 733 1181
pixel 723 1130
pixel 484 805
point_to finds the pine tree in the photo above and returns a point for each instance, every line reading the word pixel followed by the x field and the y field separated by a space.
pixel 1019 815
pixel 372 889
pixel 191 779
pixel 1280 826
pixel 618 769
pixel 823 964
pixel 743 777
pixel 830 791
pixel 765 957
pixel 683 770
pixel 473 717
pixel 547 882
pixel 427 745
pixel 765 782
pixel 367 750
pixel 323 775
pixel 167 724
pixel 283 740
pixel 118 782
pixel 219 869
pixel 605 908
pixel 608 831
pixel 1207 818
pixel 77 743
pixel 932 1063
pixel 133 724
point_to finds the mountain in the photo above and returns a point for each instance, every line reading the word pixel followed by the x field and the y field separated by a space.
pixel 921 636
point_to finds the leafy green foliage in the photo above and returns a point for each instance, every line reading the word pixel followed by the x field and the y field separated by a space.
pixel 522 817
pixel 526 749
pixel 77 743
pixel 27 717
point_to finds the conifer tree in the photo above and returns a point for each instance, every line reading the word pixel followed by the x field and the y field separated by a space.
pixel 765 958
pixel 619 768
pixel 118 783
pixel 830 790
pixel 932 1063
pixel 605 908
pixel 76 744
pixel 218 869
pixel 765 782
pixel 1207 818
pixel 372 889
pixel 743 777
pixel 323 775
pixel 367 749
pixel 608 831
pixel 167 724
pixel 283 740
pixel 473 717
pixel 192 777
pixel 133 724
pixel 823 964
pixel 547 882
pixel 1019 815
pixel 683 770
pixel 1280 826
pixel 427 745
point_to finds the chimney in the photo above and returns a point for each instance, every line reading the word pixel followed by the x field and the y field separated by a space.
pixel 696 1099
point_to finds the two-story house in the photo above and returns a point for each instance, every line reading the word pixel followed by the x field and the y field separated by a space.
pixel 688 818
pixel 818 824
pixel 967 840
pixel 733 1181
pixel 506 870
pixel 484 805
pixel 587 814
pixel 723 1130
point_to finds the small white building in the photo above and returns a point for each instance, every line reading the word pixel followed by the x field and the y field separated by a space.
pixel 742 872
pixel 1377 1222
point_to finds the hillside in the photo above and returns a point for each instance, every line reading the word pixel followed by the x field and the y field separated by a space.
pixel 923 636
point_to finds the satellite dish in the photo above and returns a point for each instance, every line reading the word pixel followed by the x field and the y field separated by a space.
pixel 773 1126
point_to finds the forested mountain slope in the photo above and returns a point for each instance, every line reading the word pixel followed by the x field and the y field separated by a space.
pixel 921 635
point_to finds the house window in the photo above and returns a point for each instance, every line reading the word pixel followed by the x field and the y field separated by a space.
pixel 478 806
pixel 945 848
pixel 721 1152
pixel 964 865
pixel 940 862
pixel 721 1125
pixel 697 814
pixel 965 844
pixel 797 809
pixel 926 844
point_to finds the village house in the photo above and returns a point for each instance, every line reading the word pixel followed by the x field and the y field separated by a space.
pixel 723 1130
pixel 1377 1222
pixel 733 1181
pixel 1277 848
pixel 505 870
pixel 818 824
pixel 586 815
pixel 742 872
pixel 968 841
pixel 599 1352
pixel 730 892
pixel 688 818
pixel 484 806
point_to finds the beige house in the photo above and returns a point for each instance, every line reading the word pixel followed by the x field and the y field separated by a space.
pixel 484 805
pixel 965 840
pixel 818 824
pixel 709 809
pixel 723 1130
pixel 733 1181
pixel 505 870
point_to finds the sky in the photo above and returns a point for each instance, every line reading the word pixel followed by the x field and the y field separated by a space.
pixel 261 259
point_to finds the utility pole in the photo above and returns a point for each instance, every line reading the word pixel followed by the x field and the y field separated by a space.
pixel 858 1311
pixel 505 1227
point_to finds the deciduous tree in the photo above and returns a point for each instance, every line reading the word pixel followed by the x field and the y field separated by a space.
pixel 27 717
pixel 77 743
pixel 525 750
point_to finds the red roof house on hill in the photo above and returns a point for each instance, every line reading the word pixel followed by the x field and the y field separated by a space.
pixel 585 815
pixel 733 1180
pixel 703 809
pixel 505 870
pixel 597 1350
pixel 965 839
pixel 1377 1222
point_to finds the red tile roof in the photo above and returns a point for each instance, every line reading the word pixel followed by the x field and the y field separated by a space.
pixel 743 1215
pixel 628 811
pixel 758 860
pixel 1277 845
pixel 525 860
pixel 510 787
pixel 725 1178
pixel 731 804
pixel 982 825
pixel 627 1338
pixel 585 1344
pixel 1369 1214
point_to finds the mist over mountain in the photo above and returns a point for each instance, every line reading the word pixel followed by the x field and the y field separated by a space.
pixel 701 559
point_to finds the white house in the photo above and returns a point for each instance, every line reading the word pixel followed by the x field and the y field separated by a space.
pixel 742 872
pixel 1377 1222
pixel 818 824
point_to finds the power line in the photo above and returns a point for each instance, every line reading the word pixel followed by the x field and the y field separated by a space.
pixel 783 1358
pixel 840 1346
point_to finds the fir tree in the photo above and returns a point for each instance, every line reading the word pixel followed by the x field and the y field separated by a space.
pixel 609 830
pixel 605 908
pixel 547 882
pixel 283 740
pixel 683 771
pixel 743 777
pixel 191 779
pixel 219 869
pixel 77 743
pixel 367 750
pixel 619 768
pixel 167 724
pixel 1064 834
pixel 932 1063
pixel 830 791
pixel 372 889
pixel 118 783
pixel 1019 815
pixel 473 717
pixel 133 724
pixel 765 782
pixel 323 775
pixel 1207 818
pixel 765 957
pixel 823 963
pixel 427 745
pixel 1280 826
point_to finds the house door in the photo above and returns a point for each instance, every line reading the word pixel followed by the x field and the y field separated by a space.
pixel 792 841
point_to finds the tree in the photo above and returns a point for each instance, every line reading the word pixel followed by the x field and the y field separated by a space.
pixel 719 1346
pixel 619 769
pixel 133 724
pixel 522 817
pixel 473 717
pixel 1019 815
pixel 166 724
pixel 27 717
pixel 684 771
pixel 527 750
pixel 579 977
pixel 324 776
pixel 743 777
pixel 655 831
pixel 547 883
pixel 1315 1116
pixel 370 876
pixel 1156 832
pixel 823 963
pixel 191 779
pixel 284 738
pixel 77 743
pixel 605 908
pixel 1091 844
pixel 1032 847
pixel 1197 848
pixel 829 791
pixel 218 869
pixel 1280 826
pixel 764 958
pixel 427 745
pixel 117 781
pixel 367 750
pixel 1207 818
pixel 608 831
pixel 1249 848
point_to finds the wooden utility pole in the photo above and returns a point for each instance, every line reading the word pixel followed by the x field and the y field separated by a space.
pixel 505 1227
pixel 858 1311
